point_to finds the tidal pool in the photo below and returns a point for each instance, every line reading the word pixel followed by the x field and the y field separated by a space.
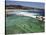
pixel 23 24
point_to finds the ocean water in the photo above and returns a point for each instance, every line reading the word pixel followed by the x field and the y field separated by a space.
pixel 29 12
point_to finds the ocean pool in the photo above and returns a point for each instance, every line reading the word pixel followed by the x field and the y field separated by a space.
pixel 23 24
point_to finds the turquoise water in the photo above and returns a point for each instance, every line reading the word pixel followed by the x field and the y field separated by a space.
pixel 22 24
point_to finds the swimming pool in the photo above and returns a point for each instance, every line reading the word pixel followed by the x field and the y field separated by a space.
pixel 23 24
